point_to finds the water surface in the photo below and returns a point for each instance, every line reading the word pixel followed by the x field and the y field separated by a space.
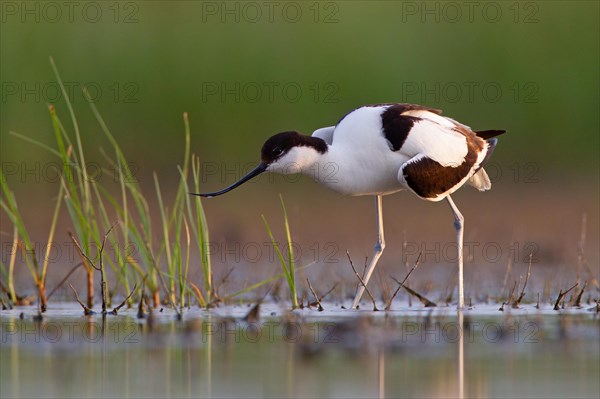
pixel 336 353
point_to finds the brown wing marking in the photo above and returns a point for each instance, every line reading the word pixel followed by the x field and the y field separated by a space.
pixel 430 179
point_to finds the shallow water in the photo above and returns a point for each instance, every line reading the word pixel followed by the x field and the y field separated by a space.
pixel 408 352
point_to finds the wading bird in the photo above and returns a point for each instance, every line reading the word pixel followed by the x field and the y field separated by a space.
pixel 382 149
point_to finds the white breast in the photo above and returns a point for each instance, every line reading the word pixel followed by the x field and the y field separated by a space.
pixel 359 160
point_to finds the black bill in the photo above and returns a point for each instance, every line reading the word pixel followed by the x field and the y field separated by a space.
pixel 255 172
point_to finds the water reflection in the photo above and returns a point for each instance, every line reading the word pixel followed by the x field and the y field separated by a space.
pixel 446 355
pixel 381 374
pixel 461 355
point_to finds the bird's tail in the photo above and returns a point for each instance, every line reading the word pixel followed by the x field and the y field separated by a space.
pixel 480 179
pixel 490 147
pixel 488 134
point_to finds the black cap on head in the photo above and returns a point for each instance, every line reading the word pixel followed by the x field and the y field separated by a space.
pixel 279 145
pixel 273 149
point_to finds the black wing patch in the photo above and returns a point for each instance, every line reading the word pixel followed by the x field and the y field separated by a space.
pixel 396 126
pixel 404 107
pixel 397 107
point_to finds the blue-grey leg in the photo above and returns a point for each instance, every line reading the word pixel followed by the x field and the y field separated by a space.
pixel 379 247
pixel 459 225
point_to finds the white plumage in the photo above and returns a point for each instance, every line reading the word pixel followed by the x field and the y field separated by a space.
pixel 381 149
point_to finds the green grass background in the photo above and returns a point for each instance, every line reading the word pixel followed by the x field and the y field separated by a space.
pixel 152 61
pixel 356 52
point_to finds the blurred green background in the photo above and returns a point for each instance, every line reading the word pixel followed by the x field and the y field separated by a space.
pixel 246 70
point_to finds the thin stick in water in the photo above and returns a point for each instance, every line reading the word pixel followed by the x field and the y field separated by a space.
pixel 315 295
pixel 561 295
pixel 424 301
pixel 516 303
pixel 577 302
pixel 87 311
pixel 389 305
pixel 361 281
pixel 115 311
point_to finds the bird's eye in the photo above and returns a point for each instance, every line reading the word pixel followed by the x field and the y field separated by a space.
pixel 277 151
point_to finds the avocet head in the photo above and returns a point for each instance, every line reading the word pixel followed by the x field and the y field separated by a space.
pixel 286 153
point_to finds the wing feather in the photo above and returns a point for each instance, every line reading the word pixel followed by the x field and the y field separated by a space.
pixel 440 143
pixel 325 133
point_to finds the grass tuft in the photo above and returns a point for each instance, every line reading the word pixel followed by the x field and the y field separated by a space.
pixel 289 267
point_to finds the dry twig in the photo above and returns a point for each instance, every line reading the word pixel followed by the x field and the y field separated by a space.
pixel 86 310
pixel 561 295
pixel 577 302
pixel 115 310
pixel 361 281
pixel 98 268
pixel 516 303
pixel 424 301
pixel 389 305
pixel 320 307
